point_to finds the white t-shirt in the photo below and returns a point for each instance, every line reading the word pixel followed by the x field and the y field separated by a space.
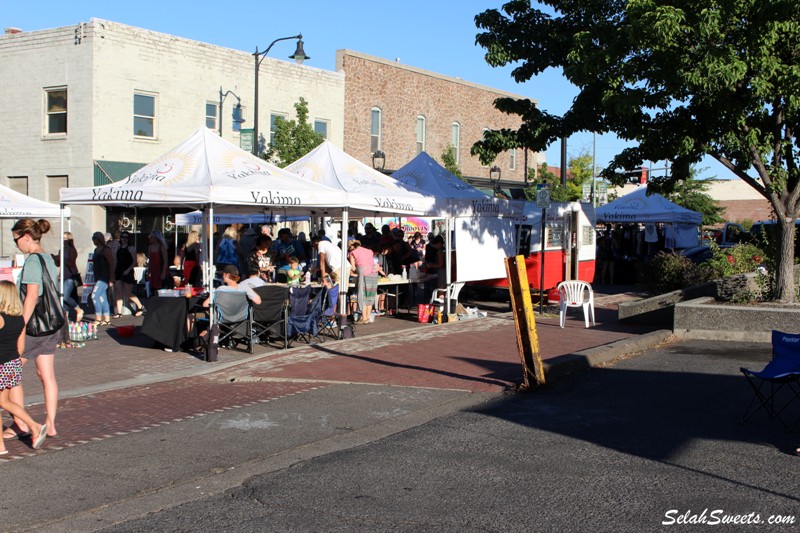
pixel 333 255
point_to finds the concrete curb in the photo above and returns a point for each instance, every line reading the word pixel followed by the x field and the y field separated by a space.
pixel 559 367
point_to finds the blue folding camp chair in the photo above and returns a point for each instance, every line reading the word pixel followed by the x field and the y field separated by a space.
pixel 329 320
pixel 303 323
pixel 777 386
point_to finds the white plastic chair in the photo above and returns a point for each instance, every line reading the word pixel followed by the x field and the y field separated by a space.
pixel 575 293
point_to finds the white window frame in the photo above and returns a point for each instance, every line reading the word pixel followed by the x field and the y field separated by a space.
pixel 512 159
pixel 47 113
pixel 272 118
pixel 154 117
pixel 455 140
pixel 215 117
pixel 375 138
pixel 326 123
pixel 421 133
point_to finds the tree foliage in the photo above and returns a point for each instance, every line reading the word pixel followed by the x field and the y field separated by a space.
pixel 293 138
pixel 691 193
pixel 449 161
pixel 680 78
pixel 579 171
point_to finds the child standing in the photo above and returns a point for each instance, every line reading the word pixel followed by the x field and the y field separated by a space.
pixel 12 344
pixel 293 274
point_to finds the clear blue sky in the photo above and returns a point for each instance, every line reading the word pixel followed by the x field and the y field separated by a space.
pixel 432 35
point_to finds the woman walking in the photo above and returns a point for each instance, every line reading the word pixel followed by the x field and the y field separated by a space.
pixel 27 236
pixel 102 262
pixel 123 272
pixel 157 261
pixel 12 342
pixel 71 275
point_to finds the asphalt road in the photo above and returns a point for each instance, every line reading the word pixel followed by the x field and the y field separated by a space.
pixel 649 439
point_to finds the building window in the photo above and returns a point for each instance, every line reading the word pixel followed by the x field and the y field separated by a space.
pixel 455 140
pixel 144 115
pixel 18 184
pixel 211 116
pixel 512 159
pixel 56 104
pixel 376 131
pixel 273 126
pixel 483 136
pixel 54 185
pixel 420 134
pixel 321 127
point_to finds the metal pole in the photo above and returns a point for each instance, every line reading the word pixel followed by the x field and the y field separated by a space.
pixel 219 111
pixel 564 161
pixel 255 104
pixel 594 169
pixel 541 264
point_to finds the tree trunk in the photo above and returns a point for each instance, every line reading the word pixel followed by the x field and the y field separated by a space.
pixel 784 268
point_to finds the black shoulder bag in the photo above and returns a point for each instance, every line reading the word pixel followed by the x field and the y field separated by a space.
pixel 48 315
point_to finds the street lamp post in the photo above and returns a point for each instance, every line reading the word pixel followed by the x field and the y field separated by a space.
pixel 299 56
pixel 222 97
pixel 494 177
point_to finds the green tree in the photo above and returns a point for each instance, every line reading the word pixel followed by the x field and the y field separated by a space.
pixel 691 194
pixel 449 160
pixel 293 138
pixel 680 78
pixel 579 171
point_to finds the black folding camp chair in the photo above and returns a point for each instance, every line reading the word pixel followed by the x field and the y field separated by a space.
pixel 777 386
pixel 233 317
pixel 269 317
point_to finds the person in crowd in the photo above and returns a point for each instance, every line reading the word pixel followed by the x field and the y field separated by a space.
pixel 362 261
pixel 305 243
pixel 123 273
pixel 190 259
pixel 438 266
pixel 293 273
pixel 254 279
pixel 266 231
pixel 27 236
pixel 330 259
pixel 12 343
pixel 112 241
pixel 417 244
pixel 102 267
pixel 230 283
pixel 157 261
pixel 247 240
pixel 386 235
pixel 71 276
pixel 371 239
pixel 322 235
pixel 261 258
pixel 228 252
pixel 402 255
pixel 286 247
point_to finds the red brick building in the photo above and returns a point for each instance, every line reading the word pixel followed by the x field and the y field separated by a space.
pixel 402 110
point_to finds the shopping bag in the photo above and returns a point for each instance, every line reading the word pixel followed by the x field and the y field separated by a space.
pixel 424 313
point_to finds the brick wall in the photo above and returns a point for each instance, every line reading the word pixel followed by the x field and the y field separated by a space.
pixel 402 93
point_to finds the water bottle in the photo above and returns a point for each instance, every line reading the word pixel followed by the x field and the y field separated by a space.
pixel 405 273
pixel 308 277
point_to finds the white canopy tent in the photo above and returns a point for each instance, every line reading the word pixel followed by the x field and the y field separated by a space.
pixel 638 207
pixel 454 196
pixel 209 173
pixel 327 165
